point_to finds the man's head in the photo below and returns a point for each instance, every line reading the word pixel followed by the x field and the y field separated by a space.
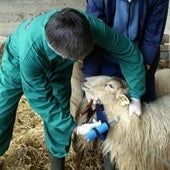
pixel 68 32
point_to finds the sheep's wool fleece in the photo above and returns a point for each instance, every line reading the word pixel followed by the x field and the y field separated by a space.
pixel 135 142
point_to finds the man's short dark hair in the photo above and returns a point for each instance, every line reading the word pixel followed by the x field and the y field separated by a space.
pixel 69 34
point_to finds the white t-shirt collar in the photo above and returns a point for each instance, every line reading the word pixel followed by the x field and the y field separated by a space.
pixel 129 1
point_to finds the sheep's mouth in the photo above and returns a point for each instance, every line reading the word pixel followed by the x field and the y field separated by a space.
pixel 85 85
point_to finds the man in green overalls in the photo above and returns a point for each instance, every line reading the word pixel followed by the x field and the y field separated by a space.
pixel 38 60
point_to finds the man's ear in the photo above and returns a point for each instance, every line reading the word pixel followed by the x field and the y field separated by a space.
pixel 123 99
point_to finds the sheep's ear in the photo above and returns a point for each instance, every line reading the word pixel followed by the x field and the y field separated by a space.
pixel 123 100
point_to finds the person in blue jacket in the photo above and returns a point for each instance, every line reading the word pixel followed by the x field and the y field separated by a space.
pixel 37 61
pixel 143 21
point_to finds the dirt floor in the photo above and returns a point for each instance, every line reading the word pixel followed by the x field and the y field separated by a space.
pixel 13 12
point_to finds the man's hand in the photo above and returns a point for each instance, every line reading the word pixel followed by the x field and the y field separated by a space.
pixel 135 107
pixel 85 128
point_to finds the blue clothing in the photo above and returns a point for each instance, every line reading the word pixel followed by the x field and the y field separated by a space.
pixel 126 18
pixel 151 24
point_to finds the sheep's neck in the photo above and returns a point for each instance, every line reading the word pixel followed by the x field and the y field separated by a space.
pixel 114 109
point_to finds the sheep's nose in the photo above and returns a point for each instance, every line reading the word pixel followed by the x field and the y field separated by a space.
pixel 85 80
pixel 85 86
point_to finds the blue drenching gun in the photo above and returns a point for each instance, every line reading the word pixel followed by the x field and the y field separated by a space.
pixel 100 131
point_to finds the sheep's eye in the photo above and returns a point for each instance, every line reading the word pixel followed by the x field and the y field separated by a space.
pixel 111 86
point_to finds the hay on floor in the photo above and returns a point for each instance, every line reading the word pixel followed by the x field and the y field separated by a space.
pixel 27 150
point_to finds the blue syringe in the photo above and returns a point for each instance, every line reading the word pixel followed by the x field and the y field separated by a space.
pixel 97 131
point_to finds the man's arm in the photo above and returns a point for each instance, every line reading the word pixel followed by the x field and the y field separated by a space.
pixel 39 90
pixel 125 52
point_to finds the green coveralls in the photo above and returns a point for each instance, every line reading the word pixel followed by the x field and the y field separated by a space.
pixel 31 67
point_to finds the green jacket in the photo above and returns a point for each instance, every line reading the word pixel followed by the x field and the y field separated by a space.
pixel 46 77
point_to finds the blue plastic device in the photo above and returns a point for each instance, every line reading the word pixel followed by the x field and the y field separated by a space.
pixel 99 130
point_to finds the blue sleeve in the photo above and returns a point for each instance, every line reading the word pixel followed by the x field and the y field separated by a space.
pixel 96 8
pixel 153 30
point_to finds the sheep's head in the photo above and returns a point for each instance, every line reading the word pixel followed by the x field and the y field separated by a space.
pixel 107 88
pixel 112 93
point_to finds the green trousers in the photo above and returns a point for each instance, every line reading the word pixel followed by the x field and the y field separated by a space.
pixel 10 94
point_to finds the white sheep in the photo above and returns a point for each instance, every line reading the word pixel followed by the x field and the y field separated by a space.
pixel 135 143
pixel 162 82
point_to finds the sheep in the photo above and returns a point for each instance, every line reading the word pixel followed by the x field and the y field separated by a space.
pixel 162 82
pixel 134 142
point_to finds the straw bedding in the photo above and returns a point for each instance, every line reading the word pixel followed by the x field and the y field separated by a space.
pixel 27 150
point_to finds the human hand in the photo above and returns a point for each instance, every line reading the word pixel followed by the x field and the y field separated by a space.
pixel 85 128
pixel 135 107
